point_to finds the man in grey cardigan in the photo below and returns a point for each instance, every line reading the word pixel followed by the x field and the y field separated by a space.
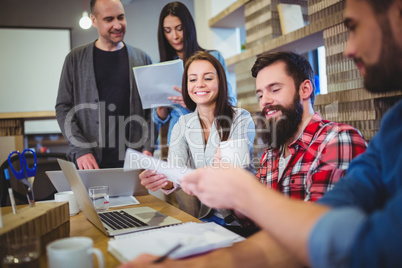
pixel 98 106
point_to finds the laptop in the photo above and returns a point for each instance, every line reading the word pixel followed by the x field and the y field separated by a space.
pixel 120 182
pixel 114 222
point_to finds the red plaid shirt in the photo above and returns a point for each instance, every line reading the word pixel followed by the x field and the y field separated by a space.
pixel 319 158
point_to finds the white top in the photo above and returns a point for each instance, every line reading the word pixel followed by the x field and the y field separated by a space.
pixel 187 145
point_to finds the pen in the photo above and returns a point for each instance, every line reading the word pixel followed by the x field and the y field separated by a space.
pixel 10 193
pixel 166 255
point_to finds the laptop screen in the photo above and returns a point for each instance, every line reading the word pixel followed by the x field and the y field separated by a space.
pixel 120 182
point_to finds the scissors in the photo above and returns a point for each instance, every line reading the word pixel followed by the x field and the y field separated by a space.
pixel 26 174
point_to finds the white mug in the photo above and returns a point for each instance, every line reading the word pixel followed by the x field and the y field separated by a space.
pixel 73 252
pixel 72 202
pixel 235 152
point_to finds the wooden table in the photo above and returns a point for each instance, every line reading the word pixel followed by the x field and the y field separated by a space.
pixel 80 226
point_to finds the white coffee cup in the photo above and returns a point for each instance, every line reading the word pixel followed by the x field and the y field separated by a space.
pixel 235 152
pixel 73 252
pixel 72 202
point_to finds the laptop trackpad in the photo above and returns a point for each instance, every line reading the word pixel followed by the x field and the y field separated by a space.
pixel 152 218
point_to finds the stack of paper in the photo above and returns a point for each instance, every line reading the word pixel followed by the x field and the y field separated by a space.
pixel 195 238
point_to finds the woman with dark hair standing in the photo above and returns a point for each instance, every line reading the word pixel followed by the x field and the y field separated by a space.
pixel 177 39
pixel 196 136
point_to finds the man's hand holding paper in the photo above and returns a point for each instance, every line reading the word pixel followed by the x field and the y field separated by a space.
pixel 153 181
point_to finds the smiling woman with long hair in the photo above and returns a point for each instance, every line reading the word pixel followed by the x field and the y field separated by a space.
pixel 197 136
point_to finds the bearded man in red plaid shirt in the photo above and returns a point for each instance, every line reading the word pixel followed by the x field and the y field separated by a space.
pixel 306 155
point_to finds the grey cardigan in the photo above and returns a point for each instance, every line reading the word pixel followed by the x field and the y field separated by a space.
pixel 81 116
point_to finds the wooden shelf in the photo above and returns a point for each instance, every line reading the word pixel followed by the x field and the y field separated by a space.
pixel 302 40
pixel 344 96
pixel 29 115
pixel 47 143
pixel 352 95
pixel 230 17
pixel 15 123
pixel 48 140
pixel 353 105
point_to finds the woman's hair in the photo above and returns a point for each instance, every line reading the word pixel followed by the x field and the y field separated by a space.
pixel 190 44
pixel 224 112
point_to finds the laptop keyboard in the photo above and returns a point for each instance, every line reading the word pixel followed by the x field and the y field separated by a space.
pixel 118 220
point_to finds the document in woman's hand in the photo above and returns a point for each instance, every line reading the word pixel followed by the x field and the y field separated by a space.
pixel 155 82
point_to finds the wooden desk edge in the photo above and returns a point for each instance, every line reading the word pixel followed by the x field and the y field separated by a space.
pixel 29 115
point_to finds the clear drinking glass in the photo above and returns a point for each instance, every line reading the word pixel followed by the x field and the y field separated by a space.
pixel 100 197
pixel 21 252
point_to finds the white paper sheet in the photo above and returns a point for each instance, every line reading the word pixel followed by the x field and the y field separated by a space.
pixel 137 160
pixel 114 201
pixel 118 201
pixel 195 238
pixel 155 82
pixel 235 152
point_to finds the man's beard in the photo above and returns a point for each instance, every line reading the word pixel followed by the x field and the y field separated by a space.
pixel 386 74
pixel 280 130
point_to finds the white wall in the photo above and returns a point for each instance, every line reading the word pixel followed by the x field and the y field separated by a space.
pixel 30 73
pixel 226 41
pixel 223 39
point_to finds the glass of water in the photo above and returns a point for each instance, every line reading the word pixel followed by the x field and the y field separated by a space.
pixel 21 252
pixel 100 197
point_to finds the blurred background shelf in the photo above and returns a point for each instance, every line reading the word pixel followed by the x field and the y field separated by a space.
pixel 231 17
pixel 16 133
pixel 340 94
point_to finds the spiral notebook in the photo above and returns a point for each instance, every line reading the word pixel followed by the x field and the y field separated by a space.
pixel 195 238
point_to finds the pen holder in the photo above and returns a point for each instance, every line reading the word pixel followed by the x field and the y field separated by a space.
pixel 47 221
